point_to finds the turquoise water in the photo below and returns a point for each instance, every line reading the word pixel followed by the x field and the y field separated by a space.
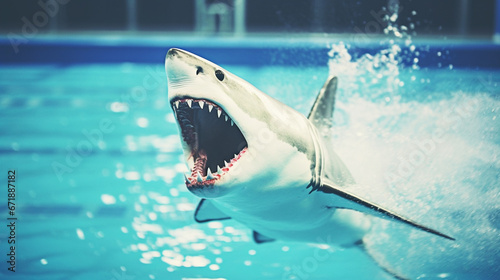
pixel 100 192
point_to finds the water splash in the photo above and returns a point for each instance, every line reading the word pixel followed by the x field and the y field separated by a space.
pixel 450 182
pixel 433 157
pixel 378 72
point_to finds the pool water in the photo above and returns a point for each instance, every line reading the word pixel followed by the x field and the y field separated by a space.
pixel 100 192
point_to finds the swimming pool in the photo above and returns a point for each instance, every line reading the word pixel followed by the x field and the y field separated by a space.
pixel 99 187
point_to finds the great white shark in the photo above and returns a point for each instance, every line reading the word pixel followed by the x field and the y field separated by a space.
pixel 260 162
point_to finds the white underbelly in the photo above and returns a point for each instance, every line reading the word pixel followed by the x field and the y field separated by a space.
pixel 308 222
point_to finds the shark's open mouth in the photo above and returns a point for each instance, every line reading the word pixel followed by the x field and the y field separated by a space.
pixel 215 142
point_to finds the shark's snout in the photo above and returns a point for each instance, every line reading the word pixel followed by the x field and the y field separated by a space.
pixel 174 52
pixel 182 54
pixel 184 68
pixel 171 52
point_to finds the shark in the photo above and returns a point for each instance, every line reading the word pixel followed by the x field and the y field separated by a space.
pixel 260 162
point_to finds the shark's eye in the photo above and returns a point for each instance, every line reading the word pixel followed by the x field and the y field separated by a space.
pixel 219 74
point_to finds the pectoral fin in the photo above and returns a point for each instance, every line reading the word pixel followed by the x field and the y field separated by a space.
pixel 206 212
pixel 351 201
pixel 259 238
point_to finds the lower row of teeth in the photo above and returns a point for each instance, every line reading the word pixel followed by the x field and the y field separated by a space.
pixel 198 178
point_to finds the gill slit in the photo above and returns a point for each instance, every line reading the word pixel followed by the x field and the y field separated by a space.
pixel 317 160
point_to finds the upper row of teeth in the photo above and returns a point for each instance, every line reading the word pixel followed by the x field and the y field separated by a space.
pixel 202 104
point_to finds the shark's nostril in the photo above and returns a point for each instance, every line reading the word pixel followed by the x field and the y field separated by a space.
pixel 199 70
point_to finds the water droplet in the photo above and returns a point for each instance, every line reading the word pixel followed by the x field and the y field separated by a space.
pixel 118 107
pixel 152 216
pixel 15 146
pixel 80 234
pixel 170 118
pixel 143 122
pixel 108 199
pixel 174 192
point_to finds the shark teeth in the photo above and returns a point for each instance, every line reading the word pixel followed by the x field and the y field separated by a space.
pixel 198 177
pixel 186 110
pixel 210 176
pixel 202 104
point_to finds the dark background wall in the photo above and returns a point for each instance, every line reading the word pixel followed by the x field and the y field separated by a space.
pixel 429 17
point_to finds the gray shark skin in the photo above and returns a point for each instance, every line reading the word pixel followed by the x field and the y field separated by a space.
pixel 260 162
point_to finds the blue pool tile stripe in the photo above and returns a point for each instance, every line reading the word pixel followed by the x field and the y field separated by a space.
pixel 252 52
pixel 71 210
pixel 52 210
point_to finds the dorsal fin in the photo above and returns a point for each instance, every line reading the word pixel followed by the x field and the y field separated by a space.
pixel 321 114
pixel 206 212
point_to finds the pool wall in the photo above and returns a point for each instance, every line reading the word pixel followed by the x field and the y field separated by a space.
pixel 245 51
